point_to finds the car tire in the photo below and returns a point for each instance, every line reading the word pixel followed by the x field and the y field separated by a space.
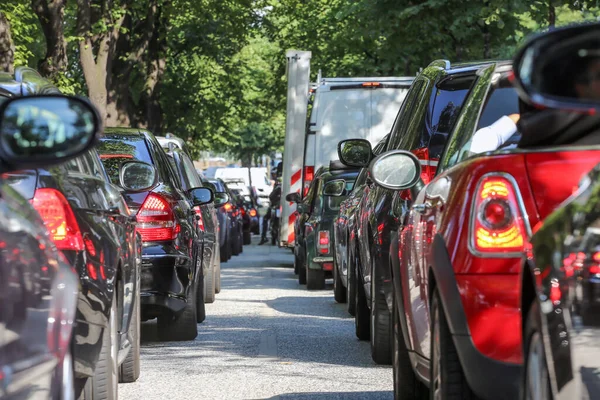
pixel 296 262
pixel 129 371
pixel 362 314
pixel 380 323
pixel 200 303
pixel 223 252
pixel 104 385
pixel 351 285
pixel 406 384
pixel 315 279
pixel 247 238
pixel 235 246
pixel 182 327
pixel 302 272
pixel 218 274
pixel 446 373
pixel 339 291
pixel 209 285
pixel 535 357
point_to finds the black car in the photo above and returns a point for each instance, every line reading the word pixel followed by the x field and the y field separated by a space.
pixel 422 125
pixel 38 287
pixel 207 222
pixel 90 223
pixel 171 272
pixel 234 207
pixel 314 247
pixel 561 300
pixel 225 219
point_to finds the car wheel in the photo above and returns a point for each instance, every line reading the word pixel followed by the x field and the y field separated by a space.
pixel 351 286
pixel 218 274
pixel 296 262
pixel 209 285
pixel 104 384
pixel 446 373
pixel 200 303
pixel 362 314
pixel 223 252
pixel 235 246
pixel 129 370
pixel 537 379
pixel 247 238
pixel 380 323
pixel 406 384
pixel 339 291
pixel 302 271
pixel 315 279
pixel 180 327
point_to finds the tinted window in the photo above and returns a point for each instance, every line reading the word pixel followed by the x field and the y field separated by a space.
pixel 398 137
pixel 333 203
pixel 115 150
pixel 190 172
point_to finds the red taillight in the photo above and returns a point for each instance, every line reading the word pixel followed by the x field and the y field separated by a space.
pixel 308 176
pixel 253 213
pixel 156 221
pixel 428 165
pixel 596 256
pixel 371 84
pixel 498 224
pixel 595 269
pixel 243 212
pixel 323 245
pixel 555 294
pixel 200 220
pixel 59 219
pixel 228 207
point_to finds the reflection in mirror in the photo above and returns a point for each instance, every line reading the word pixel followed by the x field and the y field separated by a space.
pixel 201 196
pixel 137 176
pixel 355 152
pixel 220 199
pixel 335 188
pixel 396 170
pixel 51 126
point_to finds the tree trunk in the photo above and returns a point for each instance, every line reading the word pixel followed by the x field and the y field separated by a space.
pixel 551 14
pixel 7 47
pixel 51 14
pixel 486 41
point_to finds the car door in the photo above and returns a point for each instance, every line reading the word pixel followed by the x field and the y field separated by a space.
pixel 425 214
pixel 304 212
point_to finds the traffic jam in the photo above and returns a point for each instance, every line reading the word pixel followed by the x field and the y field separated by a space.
pixel 454 214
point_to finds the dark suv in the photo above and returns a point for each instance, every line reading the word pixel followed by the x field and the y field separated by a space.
pixel 422 126
pixel 171 273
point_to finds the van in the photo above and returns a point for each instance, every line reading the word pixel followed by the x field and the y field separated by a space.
pixel 348 108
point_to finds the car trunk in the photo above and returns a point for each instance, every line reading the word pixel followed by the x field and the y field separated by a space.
pixel 555 175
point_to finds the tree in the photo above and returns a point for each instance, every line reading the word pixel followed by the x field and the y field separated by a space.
pixel 51 14
pixel 7 47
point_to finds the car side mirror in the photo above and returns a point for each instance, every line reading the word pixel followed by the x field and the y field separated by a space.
pixel 201 196
pixel 557 69
pixel 42 130
pixel 355 152
pixel 220 199
pixel 293 197
pixel 137 176
pixel 335 188
pixel 396 170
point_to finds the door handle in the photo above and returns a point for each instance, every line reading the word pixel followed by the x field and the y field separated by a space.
pixel 421 208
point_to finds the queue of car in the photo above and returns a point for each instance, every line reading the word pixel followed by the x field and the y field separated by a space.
pixel 473 267
pixel 103 228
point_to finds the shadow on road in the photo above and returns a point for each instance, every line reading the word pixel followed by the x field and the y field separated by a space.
pixel 334 396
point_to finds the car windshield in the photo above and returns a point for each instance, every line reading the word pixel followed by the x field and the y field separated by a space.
pixel 115 150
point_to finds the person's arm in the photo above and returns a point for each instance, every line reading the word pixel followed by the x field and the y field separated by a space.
pixel 491 137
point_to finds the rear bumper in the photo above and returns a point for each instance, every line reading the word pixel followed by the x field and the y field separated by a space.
pixel 167 275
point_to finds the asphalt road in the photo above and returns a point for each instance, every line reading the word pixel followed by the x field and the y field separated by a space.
pixel 265 337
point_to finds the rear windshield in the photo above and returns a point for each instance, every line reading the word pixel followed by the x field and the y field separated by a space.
pixel 116 150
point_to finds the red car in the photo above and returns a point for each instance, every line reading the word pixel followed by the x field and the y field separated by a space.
pixel 456 264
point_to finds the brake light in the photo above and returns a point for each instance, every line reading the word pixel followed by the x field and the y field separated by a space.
pixel 371 84
pixel 228 207
pixel 156 221
pixel 243 212
pixel 498 224
pixel 323 245
pixel 595 269
pixel 309 174
pixel 253 213
pixel 200 220
pixel 59 219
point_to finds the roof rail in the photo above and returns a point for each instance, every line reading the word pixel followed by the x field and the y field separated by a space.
pixel 367 79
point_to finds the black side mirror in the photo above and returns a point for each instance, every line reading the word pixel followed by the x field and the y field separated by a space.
pixel 558 69
pixel 201 196
pixel 221 198
pixel 293 198
pixel 42 130
pixel 137 176
pixel 355 152
pixel 335 188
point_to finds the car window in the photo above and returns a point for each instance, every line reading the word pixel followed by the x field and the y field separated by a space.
pixel 398 137
pixel 190 172
pixel 380 148
pixel 117 149
pixel 308 199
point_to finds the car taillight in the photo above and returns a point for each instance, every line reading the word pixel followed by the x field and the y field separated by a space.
pixel 200 220
pixel 59 219
pixel 253 213
pixel 228 207
pixel 308 174
pixel 428 165
pixel 243 212
pixel 156 221
pixel 323 245
pixel 498 224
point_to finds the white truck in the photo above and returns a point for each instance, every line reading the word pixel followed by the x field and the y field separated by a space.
pixel 342 108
